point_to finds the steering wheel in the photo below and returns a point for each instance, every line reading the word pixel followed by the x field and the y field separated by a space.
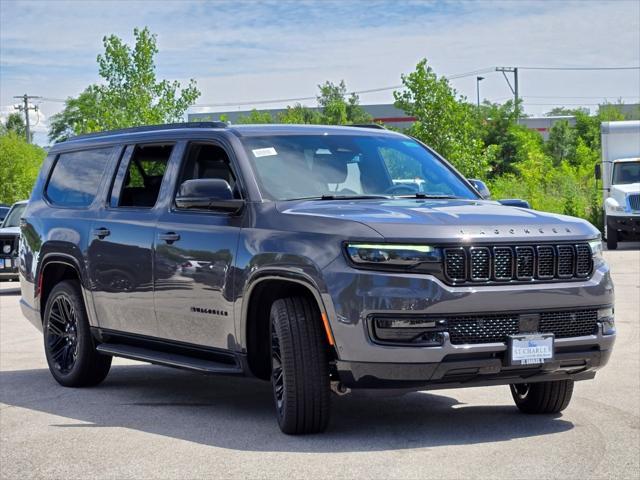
pixel 402 188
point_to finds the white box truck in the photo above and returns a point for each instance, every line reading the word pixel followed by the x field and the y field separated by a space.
pixel 620 173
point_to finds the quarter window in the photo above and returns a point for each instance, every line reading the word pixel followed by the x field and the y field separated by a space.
pixel 76 177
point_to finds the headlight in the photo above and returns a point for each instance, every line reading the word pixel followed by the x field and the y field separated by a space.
pixel 613 205
pixel 596 252
pixel 390 255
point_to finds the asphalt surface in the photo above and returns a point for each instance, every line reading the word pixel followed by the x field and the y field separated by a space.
pixel 153 422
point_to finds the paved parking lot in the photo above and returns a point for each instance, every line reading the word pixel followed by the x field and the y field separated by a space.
pixel 153 422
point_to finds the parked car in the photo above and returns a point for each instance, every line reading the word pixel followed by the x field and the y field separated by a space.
pixel 4 209
pixel 9 236
pixel 322 274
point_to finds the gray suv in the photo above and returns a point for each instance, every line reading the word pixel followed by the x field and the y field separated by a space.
pixel 317 258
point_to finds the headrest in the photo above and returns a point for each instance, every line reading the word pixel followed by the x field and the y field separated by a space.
pixel 329 168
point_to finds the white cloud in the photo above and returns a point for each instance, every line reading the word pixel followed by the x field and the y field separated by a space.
pixel 253 51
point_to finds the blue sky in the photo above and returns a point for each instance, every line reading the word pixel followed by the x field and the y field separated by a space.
pixel 244 51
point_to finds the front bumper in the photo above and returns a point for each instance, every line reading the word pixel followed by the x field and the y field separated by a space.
pixel 8 267
pixel 482 365
pixel 628 224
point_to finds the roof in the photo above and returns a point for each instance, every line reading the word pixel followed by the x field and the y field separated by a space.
pixel 239 130
pixel 629 126
pixel 625 160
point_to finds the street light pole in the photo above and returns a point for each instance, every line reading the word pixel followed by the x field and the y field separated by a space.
pixel 478 80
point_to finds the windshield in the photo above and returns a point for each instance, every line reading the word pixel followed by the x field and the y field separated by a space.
pixel 626 172
pixel 344 166
pixel 13 219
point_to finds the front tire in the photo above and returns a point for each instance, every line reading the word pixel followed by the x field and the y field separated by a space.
pixel 543 397
pixel 299 366
pixel 612 237
pixel 68 344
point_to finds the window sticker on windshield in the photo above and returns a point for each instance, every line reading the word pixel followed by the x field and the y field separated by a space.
pixel 264 152
pixel 411 144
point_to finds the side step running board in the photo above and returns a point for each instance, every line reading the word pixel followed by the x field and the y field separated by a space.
pixel 168 359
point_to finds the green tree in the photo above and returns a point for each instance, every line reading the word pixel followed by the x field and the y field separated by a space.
pixel 15 123
pixel 444 120
pixel 561 144
pixel 299 114
pixel 130 94
pixel 337 108
pixel 255 117
pixel 19 164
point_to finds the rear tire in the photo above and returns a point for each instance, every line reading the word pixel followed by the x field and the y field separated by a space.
pixel 68 344
pixel 299 366
pixel 543 397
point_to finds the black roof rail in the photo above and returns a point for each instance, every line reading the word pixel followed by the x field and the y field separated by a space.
pixel 152 128
pixel 377 126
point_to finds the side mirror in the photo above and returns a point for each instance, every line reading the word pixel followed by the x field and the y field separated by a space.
pixel 598 171
pixel 481 188
pixel 208 194
pixel 515 202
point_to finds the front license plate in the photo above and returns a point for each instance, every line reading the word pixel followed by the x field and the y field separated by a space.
pixel 7 263
pixel 530 349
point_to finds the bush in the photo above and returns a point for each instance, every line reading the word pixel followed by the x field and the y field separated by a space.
pixel 19 164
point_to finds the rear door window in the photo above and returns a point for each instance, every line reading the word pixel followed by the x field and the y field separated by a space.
pixel 76 177
pixel 143 178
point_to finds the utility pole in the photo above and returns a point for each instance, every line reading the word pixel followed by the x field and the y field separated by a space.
pixel 514 88
pixel 25 108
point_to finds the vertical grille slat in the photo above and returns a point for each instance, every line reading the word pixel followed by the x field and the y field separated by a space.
pixel 546 262
pixel 634 201
pixel 566 259
pixel 502 263
pixel 524 263
pixel 455 264
pixel 480 263
pixel 583 260
pixel 505 263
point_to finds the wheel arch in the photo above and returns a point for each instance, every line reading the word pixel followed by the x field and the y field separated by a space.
pixel 263 289
pixel 54 268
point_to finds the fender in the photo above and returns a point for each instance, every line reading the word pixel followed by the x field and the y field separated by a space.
pixel 323 300
pixel 66 254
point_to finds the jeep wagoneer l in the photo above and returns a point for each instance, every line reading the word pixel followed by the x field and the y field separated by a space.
pixel 293 254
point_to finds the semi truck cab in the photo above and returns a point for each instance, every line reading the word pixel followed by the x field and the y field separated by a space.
pixel 620 174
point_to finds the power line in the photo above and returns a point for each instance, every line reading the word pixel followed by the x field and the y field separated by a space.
pixel 580 68
pixel 356 92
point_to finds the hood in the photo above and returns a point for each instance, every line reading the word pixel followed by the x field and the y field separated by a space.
pixel 447 220
pixel 626 188
pixel 10 231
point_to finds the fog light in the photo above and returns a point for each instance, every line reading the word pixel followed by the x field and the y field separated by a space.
pixel 607 320
pixel 409 331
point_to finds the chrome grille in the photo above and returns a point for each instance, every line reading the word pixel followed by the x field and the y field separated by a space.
pixel 505 263
pixel 634 201
pixel 494 328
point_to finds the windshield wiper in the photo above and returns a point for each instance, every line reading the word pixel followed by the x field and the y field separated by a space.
pixel 343 197
pixel 429 196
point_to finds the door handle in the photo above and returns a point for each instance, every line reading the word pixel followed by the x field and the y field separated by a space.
pixel 101 232
pixel 169 237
